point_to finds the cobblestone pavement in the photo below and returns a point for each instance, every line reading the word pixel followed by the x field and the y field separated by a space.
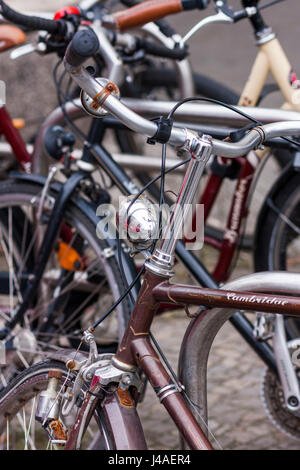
pixel 237 416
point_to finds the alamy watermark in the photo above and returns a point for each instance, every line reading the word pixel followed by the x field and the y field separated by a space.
pixel 2 93
pixel 141 221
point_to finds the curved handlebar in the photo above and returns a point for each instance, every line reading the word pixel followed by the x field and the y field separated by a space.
pixel 153 10
pixel 77 52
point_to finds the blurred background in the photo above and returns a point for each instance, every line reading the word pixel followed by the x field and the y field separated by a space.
pixel 223 52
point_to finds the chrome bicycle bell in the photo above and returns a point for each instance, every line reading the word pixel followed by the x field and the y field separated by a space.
pixel 138 222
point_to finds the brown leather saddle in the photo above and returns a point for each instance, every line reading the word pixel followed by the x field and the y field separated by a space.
pixel 10 36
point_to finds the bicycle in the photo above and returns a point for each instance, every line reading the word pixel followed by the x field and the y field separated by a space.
pixel 239 321
pixel 114 383
pixel 124 182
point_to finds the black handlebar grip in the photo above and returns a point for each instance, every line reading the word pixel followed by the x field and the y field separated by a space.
pixel 193 4
pixel 32 22
pixel 155 49
pixel 84 44
pixel 250 3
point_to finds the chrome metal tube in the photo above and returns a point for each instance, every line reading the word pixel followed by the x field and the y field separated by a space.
pixel 255 137
pixel 183 67
pixel 131 119
pixel 187 193
pixel 109 54
pixel 178 136
pixel 162 262
pixel 144 162
pixel 209 113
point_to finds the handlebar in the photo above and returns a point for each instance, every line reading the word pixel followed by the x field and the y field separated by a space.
pixel 84 44
pixel 34 23
pixel 153 10
pixel 77 53
pixel 152 48
pixel 164 27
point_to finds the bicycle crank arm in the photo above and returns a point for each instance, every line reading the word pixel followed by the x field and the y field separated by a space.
pixel 286 370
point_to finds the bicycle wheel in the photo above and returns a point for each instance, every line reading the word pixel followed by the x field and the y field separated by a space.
pixel 278 248
pixel 278 238
pixel 69 297
pixel 20 401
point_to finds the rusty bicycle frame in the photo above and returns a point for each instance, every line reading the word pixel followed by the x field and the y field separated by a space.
pixel 135 350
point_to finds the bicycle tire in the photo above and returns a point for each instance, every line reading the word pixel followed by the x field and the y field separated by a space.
pixel 16 194
pixel 275 237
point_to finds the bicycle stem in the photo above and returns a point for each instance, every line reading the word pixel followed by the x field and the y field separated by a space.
pixel 162 261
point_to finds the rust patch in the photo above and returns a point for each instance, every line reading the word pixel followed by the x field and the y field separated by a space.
pixel 169 294
pixel 146 288
pixel 142 358
pixel 101 97
pixel 245 101
pixel 55 374
pixel 71 364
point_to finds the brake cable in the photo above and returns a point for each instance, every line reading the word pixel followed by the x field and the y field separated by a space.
pixel 269 4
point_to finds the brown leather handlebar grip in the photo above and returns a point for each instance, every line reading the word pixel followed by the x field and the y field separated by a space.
pixel 10 36
pixel 146 12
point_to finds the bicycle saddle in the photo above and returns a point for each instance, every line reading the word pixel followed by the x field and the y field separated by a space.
pixel 10 36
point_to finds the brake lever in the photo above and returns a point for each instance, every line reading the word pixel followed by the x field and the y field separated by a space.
pixel 224 14
pixel 22 51
pixel 220 17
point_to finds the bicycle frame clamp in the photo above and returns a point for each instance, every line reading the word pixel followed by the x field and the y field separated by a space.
pixel 164 129
pixel 168 390
pixel 94 106
pixel 261 134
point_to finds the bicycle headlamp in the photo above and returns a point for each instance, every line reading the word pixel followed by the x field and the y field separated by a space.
pixel 138 222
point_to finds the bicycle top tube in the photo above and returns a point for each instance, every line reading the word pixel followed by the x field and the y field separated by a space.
pixel 85 43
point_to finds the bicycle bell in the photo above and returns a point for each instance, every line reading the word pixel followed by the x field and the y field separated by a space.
pixel 138 222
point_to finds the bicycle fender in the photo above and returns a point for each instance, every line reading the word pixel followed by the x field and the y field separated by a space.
pixel 285 176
